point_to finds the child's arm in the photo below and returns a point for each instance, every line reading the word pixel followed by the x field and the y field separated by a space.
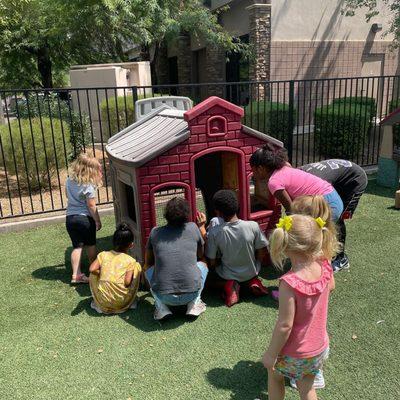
pixel 260 254
pixel 95 267
pixel 283 197
pixel 201 220
pixel 283 325
pixel 128 278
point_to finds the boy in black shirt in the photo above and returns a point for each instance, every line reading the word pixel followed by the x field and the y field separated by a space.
pixel 350 181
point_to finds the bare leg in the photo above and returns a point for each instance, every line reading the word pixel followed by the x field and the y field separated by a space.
pixel 276 385
pixel 76 256
pixel 306 390
pixel 91 252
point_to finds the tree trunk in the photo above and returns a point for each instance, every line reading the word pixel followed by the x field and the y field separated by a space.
pixel 45 66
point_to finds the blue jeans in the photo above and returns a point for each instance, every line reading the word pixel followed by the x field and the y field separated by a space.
pixel 335 203
pixel 178 299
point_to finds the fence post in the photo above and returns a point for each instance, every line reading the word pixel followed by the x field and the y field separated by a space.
pixel 291 121
pixel 135 98
pixel 2 121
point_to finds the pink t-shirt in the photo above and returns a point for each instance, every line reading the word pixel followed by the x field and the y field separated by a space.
pixel 298 183
pixel 309 337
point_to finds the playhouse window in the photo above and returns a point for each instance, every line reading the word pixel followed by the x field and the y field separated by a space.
pixel 127 201
pixel 217 126
pixel 161 198
pixel 258 201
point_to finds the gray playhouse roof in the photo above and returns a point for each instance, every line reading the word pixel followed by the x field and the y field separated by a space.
pixel 156 133
pixel 144 140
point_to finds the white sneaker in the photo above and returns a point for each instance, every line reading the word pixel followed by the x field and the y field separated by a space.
pixel 195 308
pixel 95 307
pixel 161 312
pixel 319 381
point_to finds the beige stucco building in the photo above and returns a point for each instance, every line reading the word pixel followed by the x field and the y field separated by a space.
pixel 292 39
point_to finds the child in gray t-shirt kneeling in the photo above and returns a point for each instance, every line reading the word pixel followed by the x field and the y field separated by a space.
pixel 240 245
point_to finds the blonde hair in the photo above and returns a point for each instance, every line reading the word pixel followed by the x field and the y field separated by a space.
pixel 316 207
pixel 86 170
pixel 306 237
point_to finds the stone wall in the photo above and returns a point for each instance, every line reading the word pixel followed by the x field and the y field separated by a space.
pixel 260 40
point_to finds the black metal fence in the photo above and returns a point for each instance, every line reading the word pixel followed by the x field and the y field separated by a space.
pixel 41 131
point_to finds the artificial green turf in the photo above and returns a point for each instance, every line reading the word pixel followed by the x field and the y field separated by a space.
pixel 52 345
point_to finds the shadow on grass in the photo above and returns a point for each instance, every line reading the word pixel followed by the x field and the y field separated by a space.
pixel 141 317
pixel 62 272
pixel 247 380
pixel 376 190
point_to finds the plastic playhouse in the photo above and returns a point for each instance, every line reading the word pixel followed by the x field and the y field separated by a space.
pixel 192 153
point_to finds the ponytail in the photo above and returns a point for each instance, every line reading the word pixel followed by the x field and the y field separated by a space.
pixel 330 245
pixel 279 240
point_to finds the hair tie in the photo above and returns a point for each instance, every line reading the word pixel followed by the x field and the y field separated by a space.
pixel 321 223
pixel 285 223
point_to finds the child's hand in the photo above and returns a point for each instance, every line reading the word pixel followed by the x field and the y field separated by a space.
pixel 201 218
pixel 268 361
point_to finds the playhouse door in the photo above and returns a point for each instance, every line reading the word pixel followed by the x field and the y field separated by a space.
pixel 215 171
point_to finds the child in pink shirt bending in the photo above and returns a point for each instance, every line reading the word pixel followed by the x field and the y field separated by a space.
pixel 286 183
pixel 300 342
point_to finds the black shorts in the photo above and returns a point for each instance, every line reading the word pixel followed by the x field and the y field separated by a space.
pixel 82 230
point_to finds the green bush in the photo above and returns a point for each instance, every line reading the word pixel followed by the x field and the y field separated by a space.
pixel 340 130
pixel 270 118
pixel 116 116
pixel 393 105
pixel 368 102
pixel 51 106
pixel 34 152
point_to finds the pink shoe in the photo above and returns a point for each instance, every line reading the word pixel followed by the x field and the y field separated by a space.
pixel 275 295
pixel 79 278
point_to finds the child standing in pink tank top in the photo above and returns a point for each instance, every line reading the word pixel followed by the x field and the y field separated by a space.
pixel 300 342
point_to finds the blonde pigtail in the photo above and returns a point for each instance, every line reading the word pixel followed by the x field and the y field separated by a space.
pixel 330 245
pixel 279 240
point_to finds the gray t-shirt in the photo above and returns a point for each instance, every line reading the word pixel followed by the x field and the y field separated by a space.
pixel 237 242
pixel 175 254
pixel 77 195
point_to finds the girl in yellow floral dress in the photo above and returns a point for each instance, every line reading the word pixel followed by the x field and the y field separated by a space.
pixel 115 275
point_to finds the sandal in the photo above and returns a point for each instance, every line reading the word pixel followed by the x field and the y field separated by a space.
pixel 79 278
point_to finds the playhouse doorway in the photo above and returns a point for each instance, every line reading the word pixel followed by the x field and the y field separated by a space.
pixel 217 170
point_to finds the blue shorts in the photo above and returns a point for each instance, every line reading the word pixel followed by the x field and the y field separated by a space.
pixel 335 203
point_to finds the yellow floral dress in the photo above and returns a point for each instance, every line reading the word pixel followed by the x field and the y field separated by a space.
pixel 108 289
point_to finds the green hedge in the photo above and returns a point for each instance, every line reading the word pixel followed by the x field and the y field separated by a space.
pixel 393 105
pixel 34 152
pixel 340 129
pixel 116 116
pixel 368 102
pixel 270 118
pixel 50 106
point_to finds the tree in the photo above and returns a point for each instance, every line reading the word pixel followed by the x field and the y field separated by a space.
pixel 351 6
pixel 40 39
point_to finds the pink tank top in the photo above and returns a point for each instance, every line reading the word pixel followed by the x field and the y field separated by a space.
pixel 309 336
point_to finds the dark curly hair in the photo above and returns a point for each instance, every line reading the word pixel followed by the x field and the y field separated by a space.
pixel 226 202
pixel 269 158
pixel 177 212
pixel 122 237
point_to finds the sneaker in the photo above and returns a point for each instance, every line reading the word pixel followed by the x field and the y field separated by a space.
pixel 194 308
pixel 319 381
pixel 340 263
pixel 257 288
pixel 162 312
pixel 95 307
pixel 231 293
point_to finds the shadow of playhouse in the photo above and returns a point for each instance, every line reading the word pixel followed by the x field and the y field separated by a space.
pixel 190 153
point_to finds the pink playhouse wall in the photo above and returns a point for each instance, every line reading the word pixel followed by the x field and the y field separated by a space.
pixel 176 166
